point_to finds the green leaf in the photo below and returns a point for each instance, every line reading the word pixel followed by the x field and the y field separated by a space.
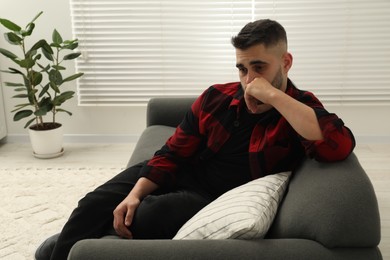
pixel 11 84
pixel 29 122
pixel 47 48
pixel 8 54
pixel 45 105
pixel 44 90
pixel 73 77
pixel 31 95
pixel 32 91
pixel 27 63
pixel 39 44
pixel 20 89
pixel 71 46
pixel 17 61
pixel 54 87
pixel 36 17
pixel 22 114
pixel 40 112
pixel 18 107
pixel 72 56
pixel 21 96
pixel 63 97
pixel 7 71
pixel 15 71
pixel 45 101
pixel 56 45
pixel 67 42
pixel 44 69
pixel 68 94
pixel 27 83
pixel 63 110
pixel 55 77
pixel 31 54
pixel 37 57
pixel 13 39
pixel 29 29
pixel 57 39
pixel 10 25
pixel 48 55
pixel 36 78
pixel 57 67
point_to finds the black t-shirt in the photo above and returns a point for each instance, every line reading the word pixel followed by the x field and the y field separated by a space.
pixel 229 167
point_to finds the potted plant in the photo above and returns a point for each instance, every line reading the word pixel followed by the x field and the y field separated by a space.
pixel 41 68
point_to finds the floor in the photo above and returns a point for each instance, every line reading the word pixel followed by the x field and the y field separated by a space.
pixel 375 159
pixel 37 195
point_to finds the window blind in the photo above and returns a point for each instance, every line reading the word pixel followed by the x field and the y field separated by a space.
pixel 134 50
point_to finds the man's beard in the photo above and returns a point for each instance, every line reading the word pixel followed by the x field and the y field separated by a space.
pixel 277 82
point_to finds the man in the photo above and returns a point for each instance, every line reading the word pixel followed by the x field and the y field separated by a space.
pixel 233 133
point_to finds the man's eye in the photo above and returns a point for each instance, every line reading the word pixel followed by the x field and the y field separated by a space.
pixel 243 70
pixel 259 69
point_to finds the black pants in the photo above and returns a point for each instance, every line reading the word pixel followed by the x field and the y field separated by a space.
pixel 159 216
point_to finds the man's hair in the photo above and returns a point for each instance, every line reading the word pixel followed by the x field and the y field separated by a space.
pixel 266 32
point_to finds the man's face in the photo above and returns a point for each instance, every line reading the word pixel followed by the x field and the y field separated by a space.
pixel 258 61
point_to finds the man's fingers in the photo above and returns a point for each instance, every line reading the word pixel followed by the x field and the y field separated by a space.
pixel 125 232
pixel 123 215
pixel 128 218
pixel 251 103
pixel 119 224
pixel 122 230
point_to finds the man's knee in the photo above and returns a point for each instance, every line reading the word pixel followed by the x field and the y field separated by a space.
pixel 162 216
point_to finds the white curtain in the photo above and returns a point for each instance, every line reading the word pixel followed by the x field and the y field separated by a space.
pixel 135 50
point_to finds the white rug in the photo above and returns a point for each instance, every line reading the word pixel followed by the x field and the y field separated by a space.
pixel 36 202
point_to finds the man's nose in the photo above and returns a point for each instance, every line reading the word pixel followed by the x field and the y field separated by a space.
pixel 250 77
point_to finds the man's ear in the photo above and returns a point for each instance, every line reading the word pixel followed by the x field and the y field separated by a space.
pixel 287 61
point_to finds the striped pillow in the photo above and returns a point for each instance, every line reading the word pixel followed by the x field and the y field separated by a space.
pixel 245 212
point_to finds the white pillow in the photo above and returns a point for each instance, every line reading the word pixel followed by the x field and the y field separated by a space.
pixel 245 212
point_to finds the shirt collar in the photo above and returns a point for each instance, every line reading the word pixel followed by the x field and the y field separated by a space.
pixel 238 98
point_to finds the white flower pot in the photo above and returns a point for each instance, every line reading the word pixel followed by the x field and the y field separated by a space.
pixel 47 143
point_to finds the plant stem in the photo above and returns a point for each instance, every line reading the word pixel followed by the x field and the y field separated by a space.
pixel 29 76
pixel 57 63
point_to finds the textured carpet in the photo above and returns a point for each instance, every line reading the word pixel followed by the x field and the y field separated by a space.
pixel 36 202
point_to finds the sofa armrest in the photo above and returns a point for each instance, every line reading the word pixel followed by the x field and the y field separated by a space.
pixel 167 111
pixel 331 203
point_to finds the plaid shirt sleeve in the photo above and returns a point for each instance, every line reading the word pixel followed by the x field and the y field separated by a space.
pixel 338 142
pixel 178 149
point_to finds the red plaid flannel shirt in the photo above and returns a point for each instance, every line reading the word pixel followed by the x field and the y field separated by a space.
pixel 274 144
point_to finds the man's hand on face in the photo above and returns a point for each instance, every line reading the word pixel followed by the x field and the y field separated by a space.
pixel 258 95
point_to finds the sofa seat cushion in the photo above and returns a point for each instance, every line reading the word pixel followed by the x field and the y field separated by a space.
pixel 227 249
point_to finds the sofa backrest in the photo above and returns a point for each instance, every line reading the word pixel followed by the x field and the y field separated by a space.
pixel 331 203
pixel 167 111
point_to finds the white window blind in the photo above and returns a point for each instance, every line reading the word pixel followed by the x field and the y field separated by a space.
pixel 135 50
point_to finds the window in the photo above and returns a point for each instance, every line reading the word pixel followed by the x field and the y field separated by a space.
pixel 135 50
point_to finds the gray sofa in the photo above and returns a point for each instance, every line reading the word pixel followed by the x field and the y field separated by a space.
pixel 329 211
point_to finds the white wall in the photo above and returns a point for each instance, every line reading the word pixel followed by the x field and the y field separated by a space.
pixel 104 121
pixel 369 123
pixel 3 128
